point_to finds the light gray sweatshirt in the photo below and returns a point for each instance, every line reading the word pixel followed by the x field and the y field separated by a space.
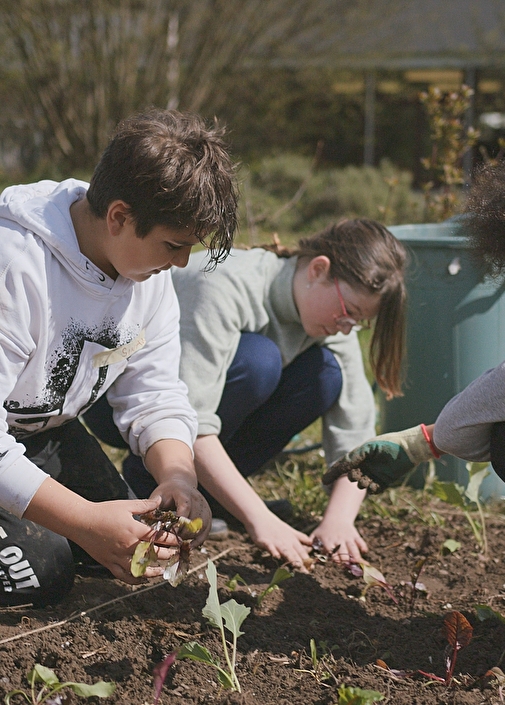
pixel 252 291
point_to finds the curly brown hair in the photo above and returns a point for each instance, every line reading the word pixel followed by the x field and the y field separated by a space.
pixel 484 219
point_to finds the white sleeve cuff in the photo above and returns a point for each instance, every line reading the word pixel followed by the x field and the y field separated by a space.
pixel 19 482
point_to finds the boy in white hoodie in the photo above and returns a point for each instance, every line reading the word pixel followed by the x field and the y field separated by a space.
pixel 81 315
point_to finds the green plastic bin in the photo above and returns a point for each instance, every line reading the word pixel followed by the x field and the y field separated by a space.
pixel 455 332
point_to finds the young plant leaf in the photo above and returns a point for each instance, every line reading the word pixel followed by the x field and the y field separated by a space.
pixel 212 609
pixel 280 575
pixel 160 674
pixel 196 652
pixel 449 492
pixel 372 576
pixel 451 546
pixel 357 696
pixel 234 614
pixel 97 690
pixel 233 582
pixel 476 478
pixel 458 632
pixel 485 612
pixel 42 674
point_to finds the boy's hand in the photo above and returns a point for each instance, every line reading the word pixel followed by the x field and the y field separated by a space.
pixel 186 501
pixel 111 534
pixel 383 460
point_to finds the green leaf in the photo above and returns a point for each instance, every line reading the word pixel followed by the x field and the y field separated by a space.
pixel 450 492
pixel 357 696
pixel 476 478
pixel 451 545
pixel 234 614
pixel 233 582
pixel 485 612
pixel 101 689
pixel 212 608
pixel 196 652
pixel 46 675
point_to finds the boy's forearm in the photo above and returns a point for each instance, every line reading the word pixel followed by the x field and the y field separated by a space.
pixel 58 509
pixel 171 460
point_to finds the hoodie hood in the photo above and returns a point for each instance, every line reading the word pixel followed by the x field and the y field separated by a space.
pixel 43 208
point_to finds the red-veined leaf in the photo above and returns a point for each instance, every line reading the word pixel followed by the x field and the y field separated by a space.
pixel 457 630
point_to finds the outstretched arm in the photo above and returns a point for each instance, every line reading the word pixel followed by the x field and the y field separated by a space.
pixel 386 459
pixel 218 474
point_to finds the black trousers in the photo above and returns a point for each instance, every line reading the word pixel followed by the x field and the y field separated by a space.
pixel 36 565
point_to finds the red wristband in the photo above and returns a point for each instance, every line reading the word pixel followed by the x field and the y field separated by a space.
pixel 434 451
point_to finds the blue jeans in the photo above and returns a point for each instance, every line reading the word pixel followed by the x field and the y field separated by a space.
pixel 262 407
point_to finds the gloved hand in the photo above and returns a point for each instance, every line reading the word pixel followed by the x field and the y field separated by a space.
pixel 384 460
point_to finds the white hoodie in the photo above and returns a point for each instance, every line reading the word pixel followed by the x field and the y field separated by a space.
pixel 68 333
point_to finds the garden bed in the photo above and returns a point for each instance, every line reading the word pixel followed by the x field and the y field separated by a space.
pixel 107 630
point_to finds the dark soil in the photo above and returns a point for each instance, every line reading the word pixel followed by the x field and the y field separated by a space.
pixel 88 637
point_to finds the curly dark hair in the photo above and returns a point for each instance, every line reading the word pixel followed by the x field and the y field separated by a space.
pixel 172 170
pixel 484 219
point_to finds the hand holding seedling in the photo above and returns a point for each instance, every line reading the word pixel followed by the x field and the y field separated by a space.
pixel 187 502
pixel 113 534
pixel 384 460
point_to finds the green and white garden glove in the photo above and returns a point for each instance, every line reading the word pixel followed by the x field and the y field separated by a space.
pixel 384 460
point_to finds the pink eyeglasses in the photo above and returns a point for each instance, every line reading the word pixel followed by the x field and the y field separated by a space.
pixel 345 318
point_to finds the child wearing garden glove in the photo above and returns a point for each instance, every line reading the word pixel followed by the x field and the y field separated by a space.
pixel 386 459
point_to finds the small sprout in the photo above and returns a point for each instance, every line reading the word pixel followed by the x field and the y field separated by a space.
pixel 372 577
pixel 357 696
pixel 52 686
pixel 451 546
pixel 485 612
pixel 279 576
pixel 456 495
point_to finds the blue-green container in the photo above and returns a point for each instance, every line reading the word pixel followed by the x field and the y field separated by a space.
pixel 455 332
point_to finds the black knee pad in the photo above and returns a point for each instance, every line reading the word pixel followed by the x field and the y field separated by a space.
pixel 497 448
pixel 36 565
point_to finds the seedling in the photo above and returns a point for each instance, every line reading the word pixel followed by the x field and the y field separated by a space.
pixel 372 577
pixel 357 696
pixel 228 615
pixel 458 631
pixel 451 546
pixel 415 586
pixel 465 499
pixel 485 612
pixel 279 576
pixel 319 668
pixel 48 693
pixel 162 523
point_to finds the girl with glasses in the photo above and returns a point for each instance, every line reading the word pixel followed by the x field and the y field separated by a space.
pixel 269 345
